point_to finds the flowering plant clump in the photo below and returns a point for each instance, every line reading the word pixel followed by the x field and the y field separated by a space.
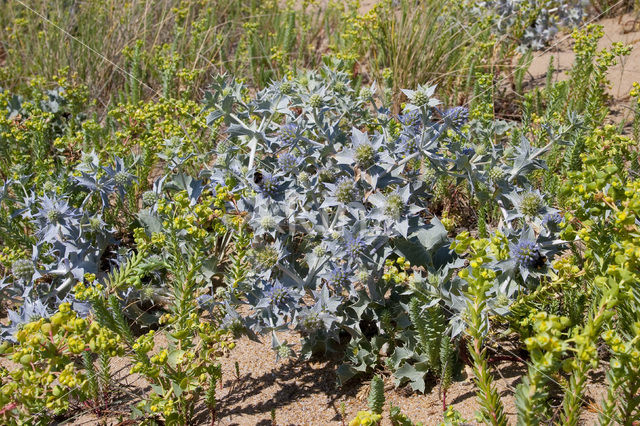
pixel 322 234
pixel 533 23
pixel 395 233
pixel 50 379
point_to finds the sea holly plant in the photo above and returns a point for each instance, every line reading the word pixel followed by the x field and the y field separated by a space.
pixel 71 224
pixel 332 194
pixel 328 204
pixel 534 23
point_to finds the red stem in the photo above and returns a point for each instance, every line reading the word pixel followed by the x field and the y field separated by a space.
pixel 444 400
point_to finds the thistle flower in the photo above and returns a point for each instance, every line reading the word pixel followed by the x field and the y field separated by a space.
pixel 288 162
pixel 411 120
pixel 530 204
pixel 122 178
pixel 364 156
pixel 55 217
pixel 420 98
pixel 303 80
pixel 288 133
pixel 394 206
pixel 366 93
pixel 339 276
pixel 269 185
pixel 502 300
pixel 286 87
pixel 527 254
pixel 363 275
pixel 278 294
pixel 496 173
pixel 394 210
pixel 429 174
pixel 268 222
pixel 22 269
pixel 119 175
pixel 315 100
pixel 311 321
pixel 456 116
pixel 49 186
pixel 284 351
pixel 89 162
pixel 96 223
pixel 552 218
pixel 303 177
pixel 326 175
pixel 407 144
pixel 267 257
pixel 346 191
pixel 320 250
pixel 354 246
pixel 149 198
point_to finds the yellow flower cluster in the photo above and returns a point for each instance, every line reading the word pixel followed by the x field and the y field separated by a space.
pixel 366 418
pixel 50 349
pixel 149 125
pixel 396 271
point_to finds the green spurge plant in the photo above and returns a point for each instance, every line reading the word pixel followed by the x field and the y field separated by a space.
pixel 376 395
pixel 181 373
pixel 479 281
pixel 430 325
pixel 51 353
pixel 546 348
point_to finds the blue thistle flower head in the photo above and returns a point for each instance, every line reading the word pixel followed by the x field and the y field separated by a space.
pixel 310 321
pixel 456 116
pixel 286 87
pixel 122 178
pixel 339 276
pixel 149 198
pixel 23 269
pixel 269 185
pixel 288 162
pixel 54 217
pixel 531 203
pixel 119 175
pixel 278 294
pixel 407 144
pixel 365 155
pixel 288 133
pixel 394 206
pixel 552 219
pixel 52 209
pixel 527 254
pixel 354 246
pixel 468 151
pixel 326 174
pixel 411 120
